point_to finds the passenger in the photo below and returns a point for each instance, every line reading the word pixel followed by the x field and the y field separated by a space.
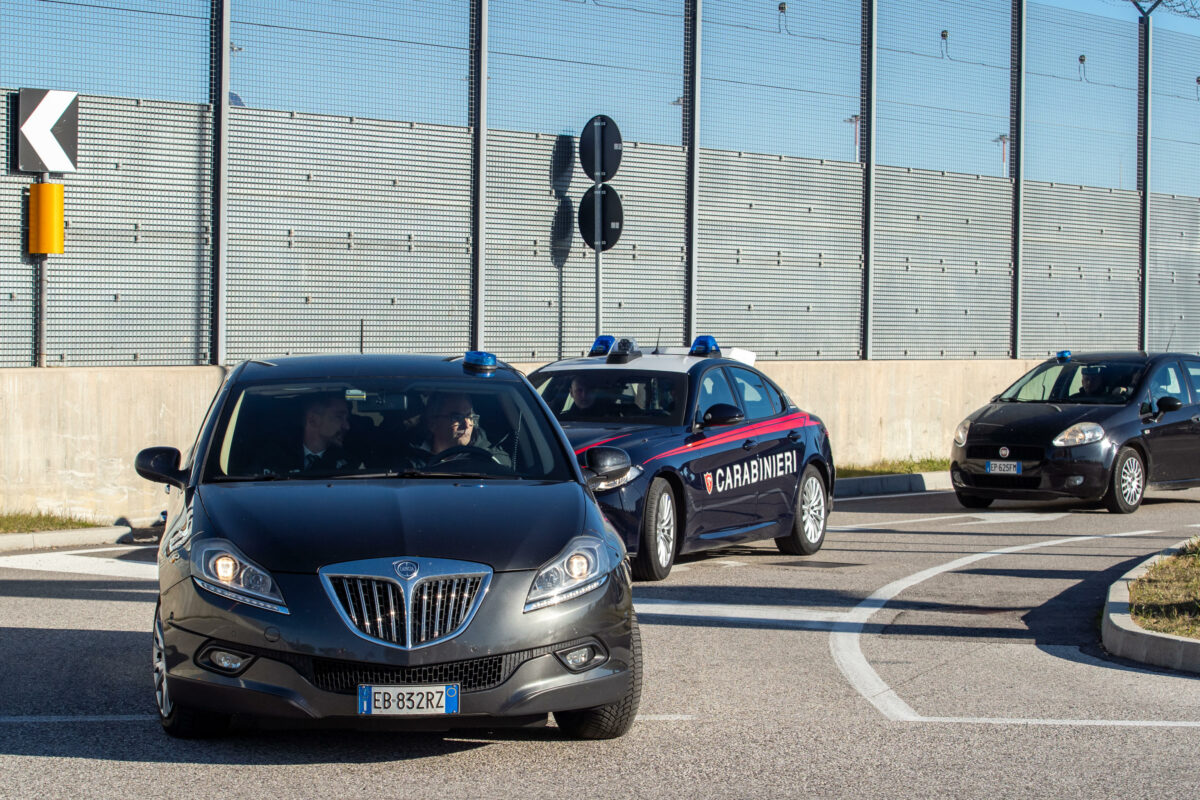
pixel 586 401
pixel 451 422
pixel 324 421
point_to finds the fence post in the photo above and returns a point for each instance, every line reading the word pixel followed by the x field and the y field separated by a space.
pixel 1017 167
pixel 867 156
pixel 478 116
pixel 219 97
pixel 691 142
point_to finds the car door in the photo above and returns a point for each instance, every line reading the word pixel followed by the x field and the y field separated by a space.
pixel 721 499
pixel 775 460
pixel 1168 435
pixel 1191 459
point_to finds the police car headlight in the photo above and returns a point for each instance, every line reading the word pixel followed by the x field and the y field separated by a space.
pixel 220 568
pixel 1079 433
pixel 615 483
pixel 960 433
pixel 581 567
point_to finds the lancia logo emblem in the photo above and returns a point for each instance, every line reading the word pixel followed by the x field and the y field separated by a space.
pixel 1004 452
pixel 708 482
pixel 406 569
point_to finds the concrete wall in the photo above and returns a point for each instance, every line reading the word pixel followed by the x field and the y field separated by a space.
pixel 68 436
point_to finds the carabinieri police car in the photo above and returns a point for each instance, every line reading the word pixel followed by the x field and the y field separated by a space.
pixel 720 454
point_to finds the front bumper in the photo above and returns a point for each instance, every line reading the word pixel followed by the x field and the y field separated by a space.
pixel 1047 472
pixel 308 664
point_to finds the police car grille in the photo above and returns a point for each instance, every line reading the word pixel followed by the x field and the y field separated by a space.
pixel 438 608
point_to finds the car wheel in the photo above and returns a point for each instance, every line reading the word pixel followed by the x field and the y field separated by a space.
pixel 1127 484
pixel 177 719
pixel 812 513
pixel 660 534
pixel 613 720
pixel 972 501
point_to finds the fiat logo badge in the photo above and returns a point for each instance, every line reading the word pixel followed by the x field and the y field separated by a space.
pixel 406 569
pixel 1003 454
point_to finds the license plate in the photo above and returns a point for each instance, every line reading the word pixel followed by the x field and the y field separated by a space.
pixel 408 700
pixel 1004 467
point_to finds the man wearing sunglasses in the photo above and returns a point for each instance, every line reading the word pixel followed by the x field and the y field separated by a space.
pixel 452 423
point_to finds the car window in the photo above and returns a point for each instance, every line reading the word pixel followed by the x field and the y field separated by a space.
pixel 1193 371
pixel 756 397
pixel 1107 382
pixel 714 388
pixel 338 429
pixel 613 395
pixel 1167 381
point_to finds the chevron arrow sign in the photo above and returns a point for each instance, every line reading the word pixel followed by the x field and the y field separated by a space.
pixel 47 130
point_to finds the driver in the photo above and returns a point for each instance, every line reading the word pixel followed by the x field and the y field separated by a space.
pixel 451 421
pixel 1091 382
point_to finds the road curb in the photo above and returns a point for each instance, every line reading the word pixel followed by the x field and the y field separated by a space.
pixel 1124 638
pixel 845 488
pixel 69 538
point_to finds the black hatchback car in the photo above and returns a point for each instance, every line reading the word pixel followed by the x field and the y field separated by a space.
pixel 1096 426
pixel 405 540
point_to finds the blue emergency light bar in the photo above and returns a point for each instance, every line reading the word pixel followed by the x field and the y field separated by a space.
pixel 479 361
pixel 602 345
pixel 1063 356
pixel 705 347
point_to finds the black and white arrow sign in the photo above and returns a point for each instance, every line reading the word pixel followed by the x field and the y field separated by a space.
pixel 48 130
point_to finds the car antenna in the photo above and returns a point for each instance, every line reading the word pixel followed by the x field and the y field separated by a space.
pixel 657 340
pixel 1170 337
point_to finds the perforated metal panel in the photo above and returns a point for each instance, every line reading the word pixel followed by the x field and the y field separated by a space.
pixel 1174 273
pixel 780 254
pixel 1080 279
pixel 347 233
pixel 17 274
pixel 133 286
pixel 540 272
pixel 943 270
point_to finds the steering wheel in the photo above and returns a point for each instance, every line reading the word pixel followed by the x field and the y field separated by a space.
pixel 461 452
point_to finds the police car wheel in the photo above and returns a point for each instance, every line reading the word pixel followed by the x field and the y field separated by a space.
pixel 659 540
pixel 812 512
pixel 1127 485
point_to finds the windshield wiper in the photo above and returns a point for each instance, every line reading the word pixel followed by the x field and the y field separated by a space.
pixel 250 478
pixel 407 473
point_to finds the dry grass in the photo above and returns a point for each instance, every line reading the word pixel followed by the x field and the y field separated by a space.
pixel 906 466
pixel 26 523
pixel 1167 598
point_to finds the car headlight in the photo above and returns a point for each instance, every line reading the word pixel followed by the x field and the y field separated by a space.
pixel 604 486
pixel 960 433
pixel 220 568
pixel 581 567
pixel 1079 433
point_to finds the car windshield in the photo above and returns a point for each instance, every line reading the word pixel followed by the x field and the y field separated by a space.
pixel 1086 382
pixel 627 397
pixel 385 427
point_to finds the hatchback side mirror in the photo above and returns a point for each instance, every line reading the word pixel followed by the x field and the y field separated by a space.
pixel 605 464
pixel 161 465
pixel 722 414
pixel 1169 403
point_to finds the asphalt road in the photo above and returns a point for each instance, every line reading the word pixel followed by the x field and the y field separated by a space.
pixel 926 651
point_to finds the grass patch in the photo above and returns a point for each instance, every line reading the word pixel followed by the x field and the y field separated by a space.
pixel 27 523
pixel 1167 598
pixel 906 466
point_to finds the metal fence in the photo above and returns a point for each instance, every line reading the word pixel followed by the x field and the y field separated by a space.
pixel 858 179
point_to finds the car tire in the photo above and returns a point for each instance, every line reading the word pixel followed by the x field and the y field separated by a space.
pixel 660 533
pixel 1127 484
pixel 613 720
pixel 811 517
pixel 972 501
pixel 178 720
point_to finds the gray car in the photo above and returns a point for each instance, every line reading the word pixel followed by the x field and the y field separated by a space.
pixel 331 556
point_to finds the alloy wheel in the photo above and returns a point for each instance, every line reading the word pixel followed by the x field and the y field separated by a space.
pixel 664 533
pixel 161 696
pixel 1132 479
pixel 812 512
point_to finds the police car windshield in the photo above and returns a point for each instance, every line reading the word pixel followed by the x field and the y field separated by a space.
pixel 385 427
pixel 618 396
pixel 1076 382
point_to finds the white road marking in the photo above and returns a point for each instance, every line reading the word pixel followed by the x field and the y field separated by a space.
pixel 1016 518
pixel 68 561
pixel 663 717
pixel 845 644
pixel 884 523
pixel 890 496
pixel 810 618
pixel 1102 723
pixel 730 563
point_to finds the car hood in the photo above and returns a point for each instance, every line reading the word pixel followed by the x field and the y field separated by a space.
pixel 298 526
pixel 1031 423
pixel 585 435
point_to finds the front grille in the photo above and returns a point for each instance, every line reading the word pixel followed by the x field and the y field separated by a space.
pixel 1016 453
pixel 407 615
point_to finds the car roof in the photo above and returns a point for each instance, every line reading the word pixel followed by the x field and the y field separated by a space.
pixel 647 362
pixel 1123 355
pixel 363 366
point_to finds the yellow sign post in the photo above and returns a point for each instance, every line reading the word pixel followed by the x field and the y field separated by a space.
pixel 45 218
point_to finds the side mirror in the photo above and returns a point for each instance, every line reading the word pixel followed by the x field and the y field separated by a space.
pixel 721 414
pixel 605 464
pixel 1169 403
pixel 161 465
